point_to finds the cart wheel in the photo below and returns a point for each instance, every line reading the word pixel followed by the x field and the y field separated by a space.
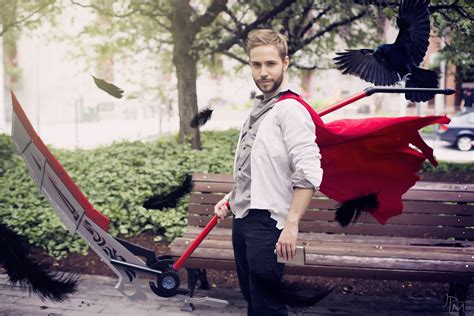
pixel 167 284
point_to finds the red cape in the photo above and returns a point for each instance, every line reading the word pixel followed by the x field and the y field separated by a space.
pixel 365 156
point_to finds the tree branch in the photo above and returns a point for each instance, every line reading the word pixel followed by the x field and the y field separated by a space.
pixel 261 19
pixel 313 20
pixel 236 21
pixel 226 27
pixel 102 11
pixel 216 7
pixel 455 6
pixel 15 23
pixel 135 10
pixel 329 28
pixel 233 56
pixel 301 67
pixel 304 16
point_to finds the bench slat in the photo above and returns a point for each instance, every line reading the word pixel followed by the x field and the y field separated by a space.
pixel 420 191
pixel 368 245
pixel 212 177
pixel 343 272
pixel 201 206
pixel 412 194
pixel 427 195
pixel 387 251
pixel 422 185
pixel 324 215
pixel 430 206
pixel 225 234
pixel 365 229
pixel 352 261
pixel 372 240
pixel 390 230
pixel 437 207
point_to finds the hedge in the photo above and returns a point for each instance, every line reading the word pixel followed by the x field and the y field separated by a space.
pixel 116 179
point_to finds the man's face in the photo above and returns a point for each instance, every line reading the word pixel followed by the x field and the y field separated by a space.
pixel 267 68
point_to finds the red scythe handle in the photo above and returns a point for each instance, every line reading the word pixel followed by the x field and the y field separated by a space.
pixel 196 242
pixel 371 90
pixel 367 92
pixel 343 103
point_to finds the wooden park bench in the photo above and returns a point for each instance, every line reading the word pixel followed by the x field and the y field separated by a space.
pixel 432 241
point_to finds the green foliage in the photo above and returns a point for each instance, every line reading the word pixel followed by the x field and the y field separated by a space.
pixel 447 167
pixel 428 129
pixel 116 179
pixel 8 158
pixel 29 14
pixel 457 35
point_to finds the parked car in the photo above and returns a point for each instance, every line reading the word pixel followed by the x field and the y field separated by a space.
pixel 459 132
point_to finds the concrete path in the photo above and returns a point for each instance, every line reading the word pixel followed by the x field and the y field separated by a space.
pixel 97 296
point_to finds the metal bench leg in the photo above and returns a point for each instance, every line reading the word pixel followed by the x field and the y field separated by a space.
pixel 189 307
pixel 457 297
pixel 195 275
pixel 202 274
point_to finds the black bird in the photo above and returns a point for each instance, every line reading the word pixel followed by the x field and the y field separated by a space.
pixel 389 63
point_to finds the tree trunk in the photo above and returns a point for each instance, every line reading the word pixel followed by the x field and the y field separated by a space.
pixel 186 70
pixel 185 61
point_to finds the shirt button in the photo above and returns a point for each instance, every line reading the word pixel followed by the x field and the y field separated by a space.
pixel 244 147
pixel 240 169
pixel 250 127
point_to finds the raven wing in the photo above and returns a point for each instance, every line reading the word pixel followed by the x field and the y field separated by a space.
pixel 73 208
pixel 362 63
pixel 414 24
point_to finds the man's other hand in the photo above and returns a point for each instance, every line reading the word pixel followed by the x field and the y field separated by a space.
pixel 221 209
pixel 286 245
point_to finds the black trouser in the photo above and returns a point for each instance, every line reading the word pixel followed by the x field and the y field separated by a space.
pixel 254 238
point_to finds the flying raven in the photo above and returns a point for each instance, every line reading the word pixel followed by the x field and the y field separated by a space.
pixel 389 63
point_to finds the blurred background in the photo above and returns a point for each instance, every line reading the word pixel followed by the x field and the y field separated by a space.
pixel 189 55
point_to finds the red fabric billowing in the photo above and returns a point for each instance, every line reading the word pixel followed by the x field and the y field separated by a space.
pixel 364 156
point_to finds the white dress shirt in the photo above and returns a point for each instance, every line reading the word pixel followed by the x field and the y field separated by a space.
pixel 283 155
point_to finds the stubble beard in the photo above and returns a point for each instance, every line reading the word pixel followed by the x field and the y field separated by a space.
pixel 274 86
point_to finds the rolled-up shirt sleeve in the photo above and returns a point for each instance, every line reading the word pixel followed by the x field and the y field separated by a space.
pixel 298 131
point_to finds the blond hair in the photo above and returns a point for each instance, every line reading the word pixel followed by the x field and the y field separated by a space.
pixel 264 37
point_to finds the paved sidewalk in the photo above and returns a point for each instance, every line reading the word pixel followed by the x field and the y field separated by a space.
pixel 97 296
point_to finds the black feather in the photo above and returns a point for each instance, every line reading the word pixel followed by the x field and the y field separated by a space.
pixel 295 293
pixel 28 274
pixel 201 118
pixel 158 202
pixel 351 210
pixel 300 294
pixel 110 88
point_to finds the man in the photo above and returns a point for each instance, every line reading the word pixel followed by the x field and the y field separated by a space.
pixel 277 168
pixel 467 101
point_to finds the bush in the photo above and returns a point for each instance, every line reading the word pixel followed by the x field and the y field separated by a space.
pixel 447 167
pixel 8 157
pixel 116 179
